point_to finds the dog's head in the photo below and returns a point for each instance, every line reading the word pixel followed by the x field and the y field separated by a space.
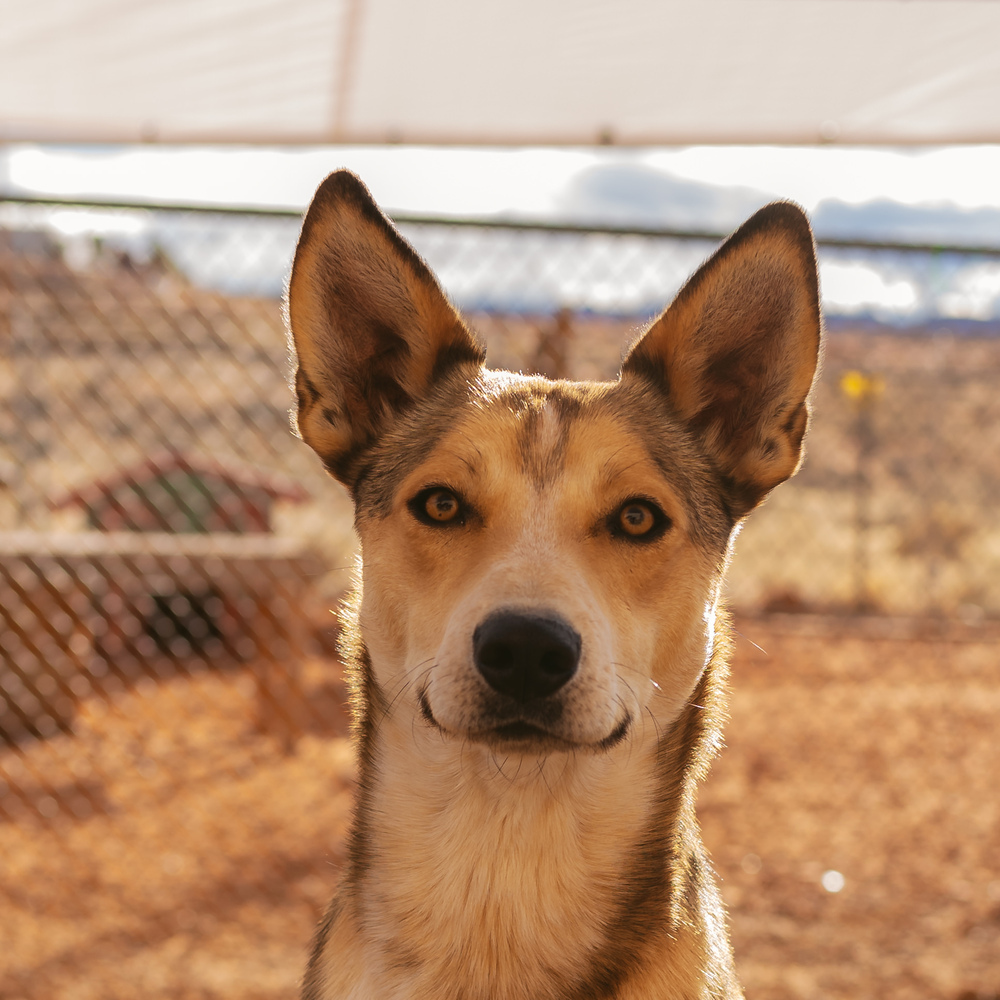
pixel 542 560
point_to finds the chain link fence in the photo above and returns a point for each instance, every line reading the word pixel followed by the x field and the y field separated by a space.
pixel 174 782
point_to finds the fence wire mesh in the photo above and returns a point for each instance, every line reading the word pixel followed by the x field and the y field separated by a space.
pixel 174 781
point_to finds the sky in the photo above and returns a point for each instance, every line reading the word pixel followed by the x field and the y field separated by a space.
pixel 944 195
pixel 485 181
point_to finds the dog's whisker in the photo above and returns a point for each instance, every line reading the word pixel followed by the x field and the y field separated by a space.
pixel 500 766
pixel 403 682
pixel 545 780
pixel 629 735
pixel 631 690
pixel 400 690
pixel 656 724
pixel 628 669
pixel 743 635
pixel 520 764
pixel 642 710
pixel 406 681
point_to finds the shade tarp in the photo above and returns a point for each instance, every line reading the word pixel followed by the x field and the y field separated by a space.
pixel 500 71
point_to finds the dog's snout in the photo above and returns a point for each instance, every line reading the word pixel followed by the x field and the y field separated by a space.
pixel 524 656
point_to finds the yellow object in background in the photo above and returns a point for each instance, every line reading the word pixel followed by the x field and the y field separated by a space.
pixel 861 386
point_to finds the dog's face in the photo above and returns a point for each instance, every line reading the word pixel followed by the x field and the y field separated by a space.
pixel 525 573
pixel 542 560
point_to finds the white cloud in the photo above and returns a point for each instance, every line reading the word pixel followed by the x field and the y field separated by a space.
pixel 976 294
pixel 857 288
pixel 405 178
pixel 75 223
pixel 965 176
pixel 488 181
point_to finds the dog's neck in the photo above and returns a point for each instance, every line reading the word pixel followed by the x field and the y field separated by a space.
pixel 522 876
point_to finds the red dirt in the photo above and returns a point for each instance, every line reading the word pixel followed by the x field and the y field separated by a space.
pixel 877 759
pixel 170 849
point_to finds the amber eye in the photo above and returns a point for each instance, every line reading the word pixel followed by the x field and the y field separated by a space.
pixel 437 506
pixel 639 520
pixel 636 519
pixel 441 506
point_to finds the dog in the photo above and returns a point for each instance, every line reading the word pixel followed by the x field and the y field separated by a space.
pixel 537 652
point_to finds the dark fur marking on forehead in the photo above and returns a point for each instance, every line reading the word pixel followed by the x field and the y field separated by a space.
pixel 542 461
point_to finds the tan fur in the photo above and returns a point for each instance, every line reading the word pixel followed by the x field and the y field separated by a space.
pixel 519 846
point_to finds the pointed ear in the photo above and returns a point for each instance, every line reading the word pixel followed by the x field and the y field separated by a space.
pixel 371 327
pixel 737 350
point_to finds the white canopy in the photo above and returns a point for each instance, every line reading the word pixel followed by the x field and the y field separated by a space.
pixel 500 71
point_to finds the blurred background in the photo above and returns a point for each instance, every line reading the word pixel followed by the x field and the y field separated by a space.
pixel 175 777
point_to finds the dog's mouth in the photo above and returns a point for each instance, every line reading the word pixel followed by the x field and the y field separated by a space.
pixel 530 735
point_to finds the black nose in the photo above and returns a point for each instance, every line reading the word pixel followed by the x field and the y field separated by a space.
pixel 523 656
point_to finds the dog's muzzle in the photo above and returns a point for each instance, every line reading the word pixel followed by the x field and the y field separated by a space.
pixel 525 657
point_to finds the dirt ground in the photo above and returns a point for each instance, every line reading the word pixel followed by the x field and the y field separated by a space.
pixel 874 757
pixel 171 849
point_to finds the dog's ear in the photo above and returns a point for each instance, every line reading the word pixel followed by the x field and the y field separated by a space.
pixel 372 328
pixel 737 350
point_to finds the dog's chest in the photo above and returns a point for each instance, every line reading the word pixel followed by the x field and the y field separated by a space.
pixel 499 889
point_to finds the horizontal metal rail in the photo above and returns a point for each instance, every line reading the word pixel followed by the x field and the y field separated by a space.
pixel 407 218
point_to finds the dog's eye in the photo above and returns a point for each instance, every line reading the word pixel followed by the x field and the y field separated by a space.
pixel 437 505
pixel 639 520
pixel 636 519
pixel 441 506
